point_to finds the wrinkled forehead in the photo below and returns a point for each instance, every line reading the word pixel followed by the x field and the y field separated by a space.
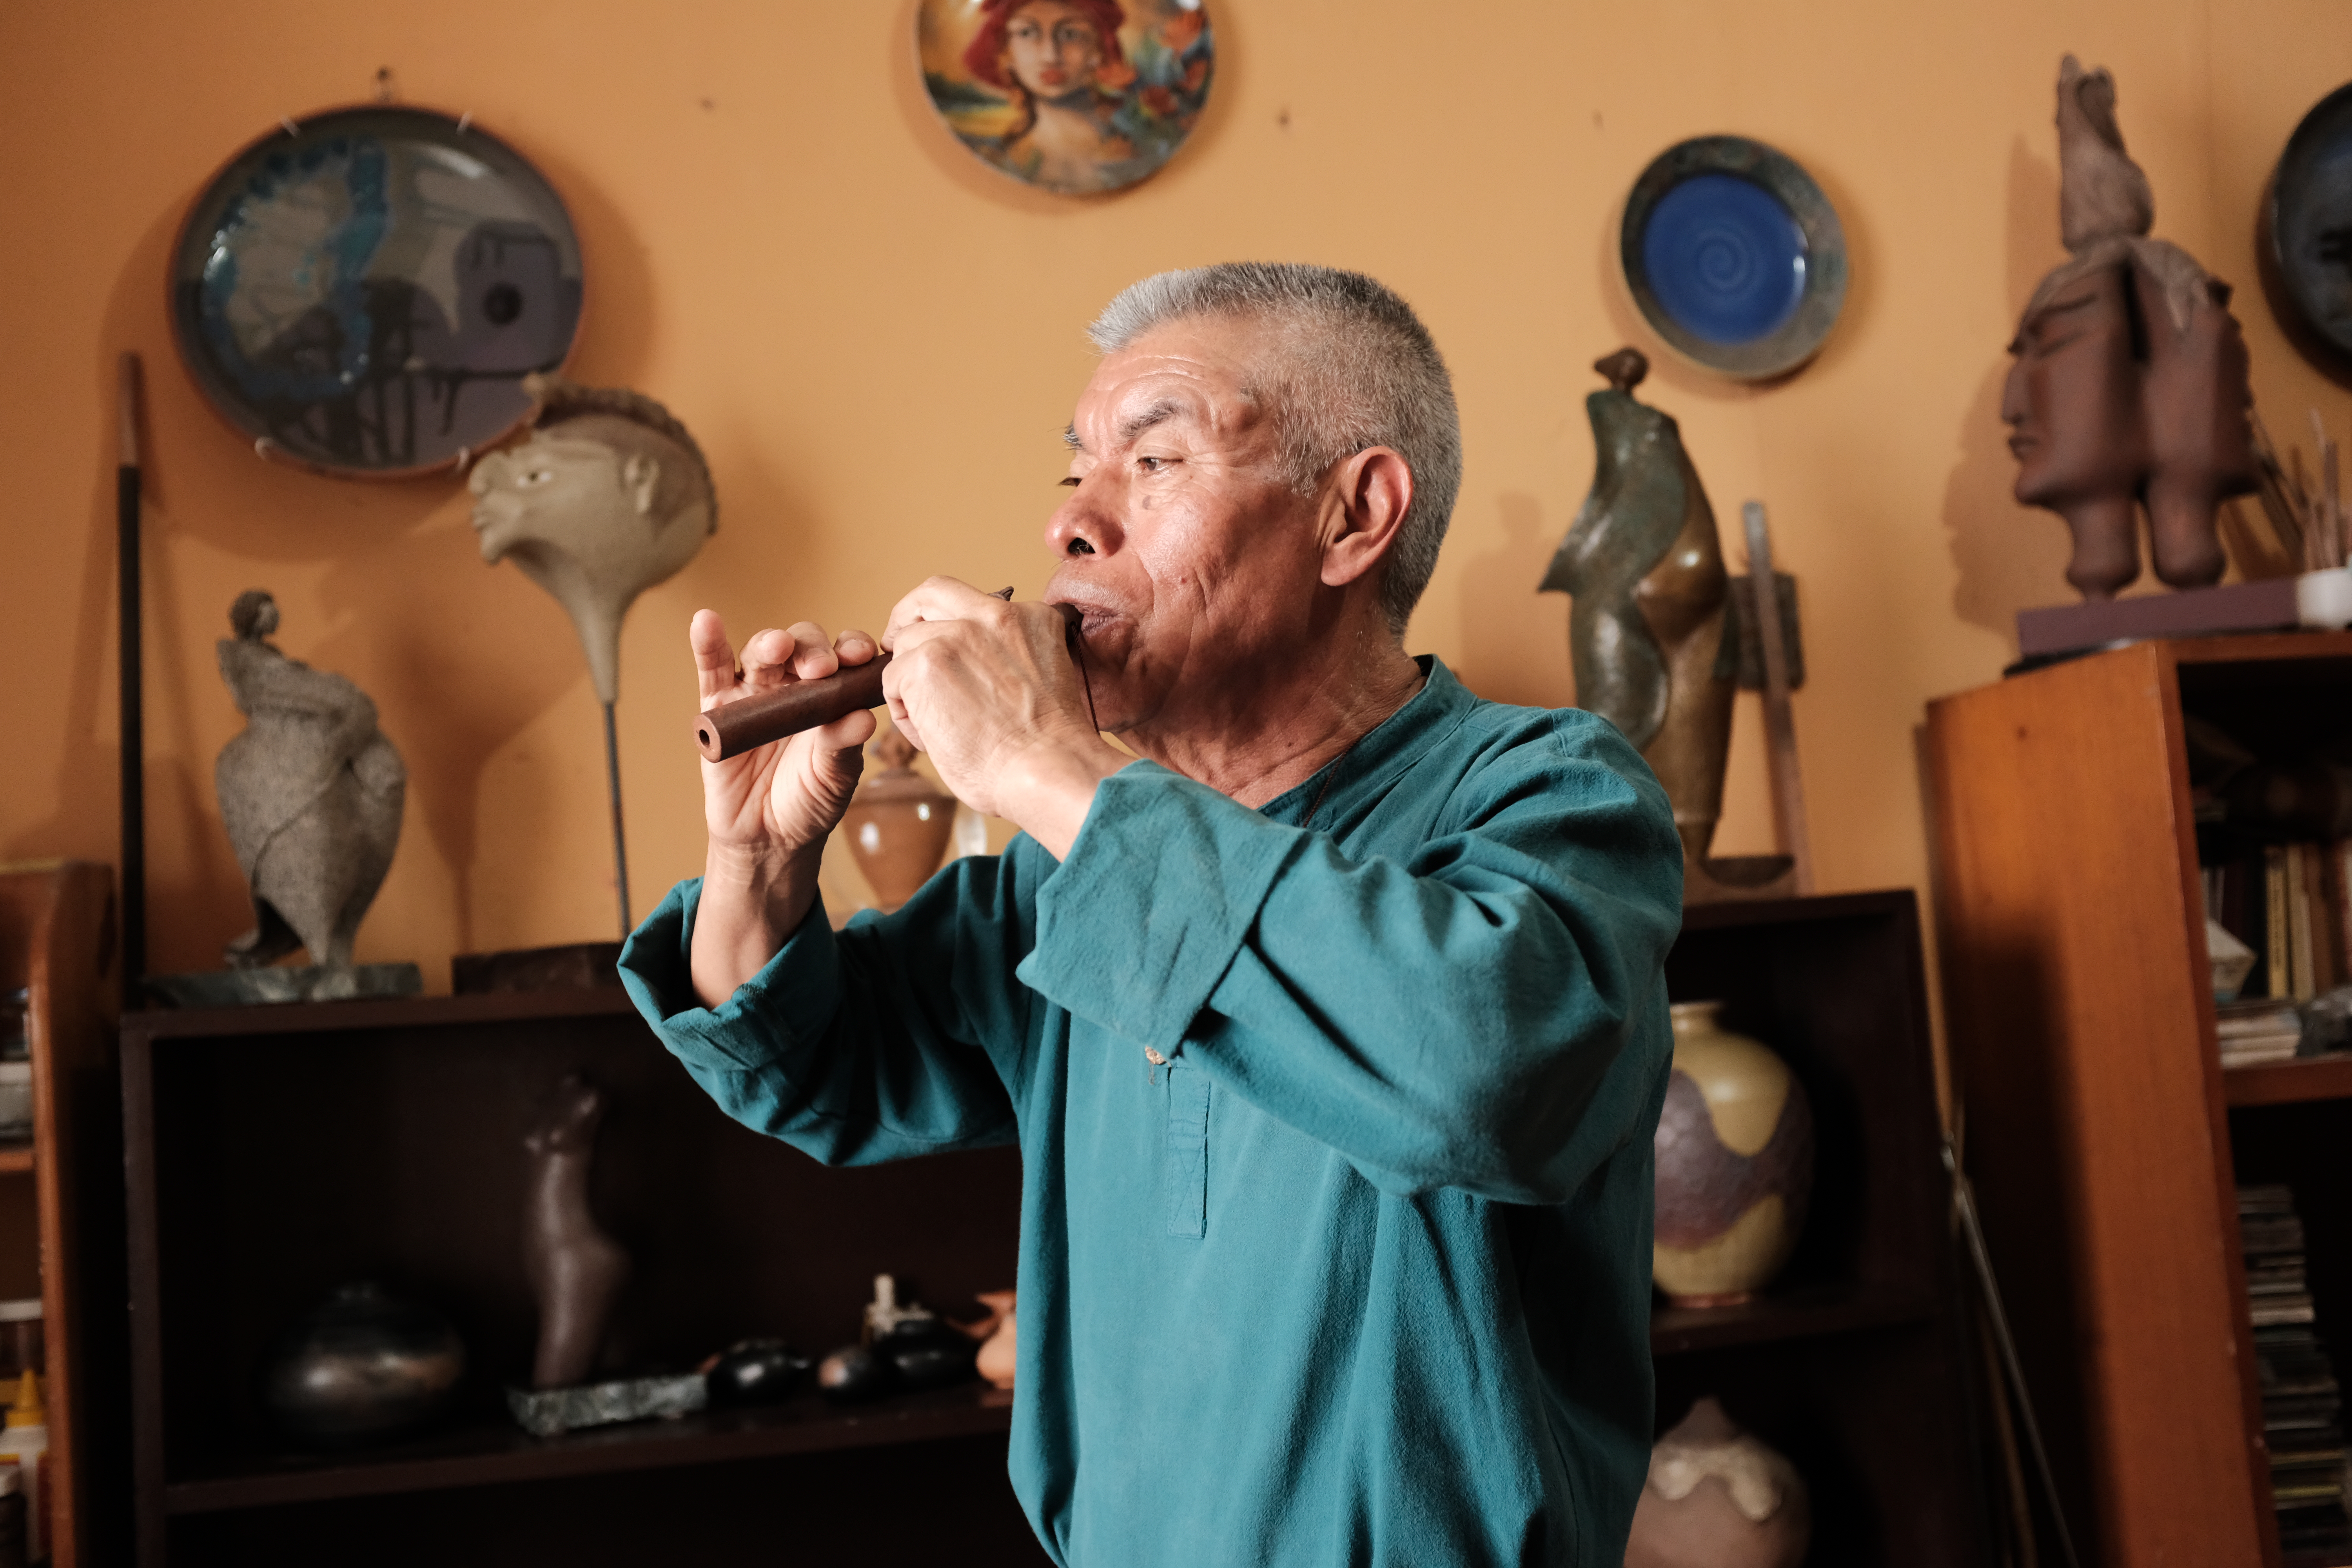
pixel 1215 373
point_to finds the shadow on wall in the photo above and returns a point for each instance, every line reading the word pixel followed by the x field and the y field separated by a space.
pixel 1515 640
pixel 2006 557
pixel 459 656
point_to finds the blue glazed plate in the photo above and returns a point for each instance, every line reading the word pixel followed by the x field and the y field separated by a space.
pixel 2310 222
pixel 1734 256
pixel 363 291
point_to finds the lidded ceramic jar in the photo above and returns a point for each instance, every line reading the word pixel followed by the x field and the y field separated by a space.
pixel 1734 1164
pixel 898 823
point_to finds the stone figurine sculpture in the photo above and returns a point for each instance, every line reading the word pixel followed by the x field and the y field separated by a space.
pixel 608 496
pixel 1646 628
pixel 310 792
pixel 576 1271
pixel 2129 388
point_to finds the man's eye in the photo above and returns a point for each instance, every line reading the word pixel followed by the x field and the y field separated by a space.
pixel 1069 480
pixel 1152 464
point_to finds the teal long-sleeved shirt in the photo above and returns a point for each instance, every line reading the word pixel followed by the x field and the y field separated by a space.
pixel 1336 1136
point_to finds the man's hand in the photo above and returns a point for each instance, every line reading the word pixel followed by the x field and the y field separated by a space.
pixel 990 691
pixel 769 809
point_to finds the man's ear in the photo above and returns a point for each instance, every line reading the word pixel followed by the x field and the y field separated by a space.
pixel 641 476
pixel 1366 498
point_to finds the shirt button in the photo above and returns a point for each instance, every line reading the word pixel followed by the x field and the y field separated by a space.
pixel 1154 1058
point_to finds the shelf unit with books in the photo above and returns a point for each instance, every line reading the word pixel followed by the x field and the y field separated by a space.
pixel 2108 1143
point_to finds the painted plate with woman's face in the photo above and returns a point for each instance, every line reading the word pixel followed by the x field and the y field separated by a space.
pixel 1077 97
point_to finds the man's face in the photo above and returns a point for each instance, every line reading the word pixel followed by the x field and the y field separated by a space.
pixel 551 488
pixel 1195 562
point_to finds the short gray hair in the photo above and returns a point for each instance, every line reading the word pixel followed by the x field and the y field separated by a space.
pixel 1356 369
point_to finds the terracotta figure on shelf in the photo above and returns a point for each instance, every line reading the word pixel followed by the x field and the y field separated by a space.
pixel 1652 633
pixel 2130 383
pixel 310 792
pixel 607 497
pixel 1716 1497
pixel 899 822
pixel 576 1271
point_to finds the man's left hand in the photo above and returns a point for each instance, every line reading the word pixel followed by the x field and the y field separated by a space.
pixel 989 691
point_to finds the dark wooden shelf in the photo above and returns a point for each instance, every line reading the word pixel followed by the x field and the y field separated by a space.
pixel 488 1455
pixel 2290 1082
pixel 1801 1313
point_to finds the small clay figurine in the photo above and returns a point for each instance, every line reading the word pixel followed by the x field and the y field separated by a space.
pixel 576 1271
pixel 311 792
pixel 2130 386
pixel 607 497
pixel 1645 632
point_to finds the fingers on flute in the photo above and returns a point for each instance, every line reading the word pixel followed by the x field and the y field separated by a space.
pixel 771 658
pixel 714 661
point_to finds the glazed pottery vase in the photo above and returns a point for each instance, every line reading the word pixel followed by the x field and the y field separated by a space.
pixel 898 823
pixel 364 1366
pixel 1716 1497
pixel 999 1348
pixel 1734 1164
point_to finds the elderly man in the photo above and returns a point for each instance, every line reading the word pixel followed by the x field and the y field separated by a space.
pixel 1332 1032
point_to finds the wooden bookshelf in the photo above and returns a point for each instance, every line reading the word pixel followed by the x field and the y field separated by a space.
pixel 2105 1139
pixel 275 1153
pixel 57 939
pixel 2290 1083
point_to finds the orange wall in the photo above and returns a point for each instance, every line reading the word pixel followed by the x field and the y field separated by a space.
pixel 877 340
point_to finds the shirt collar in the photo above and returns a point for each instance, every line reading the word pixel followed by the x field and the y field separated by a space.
pixel 1363 772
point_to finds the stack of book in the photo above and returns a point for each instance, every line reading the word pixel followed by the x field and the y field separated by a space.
pixel 2302 1407
pixel 2255 1032
pixel 2288 903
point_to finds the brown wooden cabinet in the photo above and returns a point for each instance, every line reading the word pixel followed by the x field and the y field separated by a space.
pixel 2105 1139
pixel 61 1198
pixel 276 1153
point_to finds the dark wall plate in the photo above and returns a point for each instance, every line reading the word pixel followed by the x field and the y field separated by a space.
pixel 1734 256
pixel 363 291
pixel 2307 232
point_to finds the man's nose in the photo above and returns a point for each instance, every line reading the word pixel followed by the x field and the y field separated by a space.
pixel 1081 526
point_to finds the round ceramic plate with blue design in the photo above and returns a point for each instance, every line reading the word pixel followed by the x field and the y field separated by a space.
pixel 362 292
pixel 1734 256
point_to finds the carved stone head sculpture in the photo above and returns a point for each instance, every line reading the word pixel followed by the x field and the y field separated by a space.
pixel 2129 387
pixel 607 497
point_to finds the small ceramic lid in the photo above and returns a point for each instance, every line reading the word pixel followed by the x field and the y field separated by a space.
pixel 898 782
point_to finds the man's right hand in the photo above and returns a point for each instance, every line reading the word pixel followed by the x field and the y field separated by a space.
pixel 769 810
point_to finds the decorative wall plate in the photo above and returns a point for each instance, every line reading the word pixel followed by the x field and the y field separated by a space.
pixel 363 291
pixel 1734 256
pixel 2310 225
pixel 1077 97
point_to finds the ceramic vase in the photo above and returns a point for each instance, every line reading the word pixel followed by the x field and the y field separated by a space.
pixel 898 823
pixel 999 1349
pixel 363 1366
pixel 1716 1497
pixel 1734 1164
